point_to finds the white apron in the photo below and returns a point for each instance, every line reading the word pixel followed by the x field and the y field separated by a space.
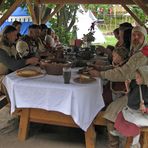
pixel 135 116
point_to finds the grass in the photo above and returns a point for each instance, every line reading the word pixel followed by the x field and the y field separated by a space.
pixel 110 40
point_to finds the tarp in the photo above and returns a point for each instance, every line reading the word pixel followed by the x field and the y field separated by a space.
pixel 22 15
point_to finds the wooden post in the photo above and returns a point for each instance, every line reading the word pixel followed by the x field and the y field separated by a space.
pixel 58 7
pixel 10 10
pixel 31 10
pixel 142 5
pixel 132 14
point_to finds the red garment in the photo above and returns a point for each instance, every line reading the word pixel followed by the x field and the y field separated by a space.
pixel 145 50
pixel 126 128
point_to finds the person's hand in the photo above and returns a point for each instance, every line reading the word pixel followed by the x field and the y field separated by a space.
pixel 98 67
pixel 142 107
pixel 101 62
pixel 32 61
pixel 94 73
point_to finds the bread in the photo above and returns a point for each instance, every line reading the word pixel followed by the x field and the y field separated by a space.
pixel 28 73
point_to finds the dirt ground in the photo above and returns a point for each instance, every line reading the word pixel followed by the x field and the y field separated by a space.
pixel 47 136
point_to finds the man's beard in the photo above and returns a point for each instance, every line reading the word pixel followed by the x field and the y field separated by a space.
pixel 136 45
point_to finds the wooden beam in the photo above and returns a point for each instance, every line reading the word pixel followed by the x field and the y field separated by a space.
pixel 142 5
pixel 31 10
pixel 10 10
pixel 89 1
pixel 132 14
pixel 57 8
pixel 46 14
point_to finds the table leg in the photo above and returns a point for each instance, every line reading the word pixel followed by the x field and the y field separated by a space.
pixel 90 137
pixel 24 124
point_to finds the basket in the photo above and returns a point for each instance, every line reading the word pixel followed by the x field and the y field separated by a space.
pixel 55 68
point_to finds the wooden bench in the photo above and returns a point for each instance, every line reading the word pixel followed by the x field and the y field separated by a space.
pixel 143 138
pixel 99 120
pixel 3 101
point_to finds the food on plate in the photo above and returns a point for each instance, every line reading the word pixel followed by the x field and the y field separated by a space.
pixel 84 77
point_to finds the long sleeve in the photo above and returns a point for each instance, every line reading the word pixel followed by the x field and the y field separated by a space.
pixel 11 62
pixel 127 71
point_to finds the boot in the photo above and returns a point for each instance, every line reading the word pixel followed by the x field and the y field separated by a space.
pixel 113 141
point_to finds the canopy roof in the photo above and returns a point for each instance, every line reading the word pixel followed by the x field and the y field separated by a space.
pixel 36 15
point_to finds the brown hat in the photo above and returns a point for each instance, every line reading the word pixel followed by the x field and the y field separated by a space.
pixel 122 51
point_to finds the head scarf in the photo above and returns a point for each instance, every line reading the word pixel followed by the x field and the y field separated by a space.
pixel 144 32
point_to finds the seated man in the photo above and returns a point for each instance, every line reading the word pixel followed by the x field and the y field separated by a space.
pixel 9 63
pixel 27 46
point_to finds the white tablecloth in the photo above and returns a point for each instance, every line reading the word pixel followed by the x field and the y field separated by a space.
pixel 81 101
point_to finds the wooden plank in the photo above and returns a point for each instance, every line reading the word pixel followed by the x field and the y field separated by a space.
pixel 58 7
pixel 31 10
pixel 51 117
pixel 88 1
pixel 142 5
pixel 10 11
pixel 132 14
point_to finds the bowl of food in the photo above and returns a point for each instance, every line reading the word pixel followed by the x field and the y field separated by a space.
pixel 53 68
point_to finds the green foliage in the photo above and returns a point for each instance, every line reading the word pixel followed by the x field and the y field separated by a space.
pixel 110 40
pixel 89 37
pixel 63 22
pixel 139 12
pixel 6 4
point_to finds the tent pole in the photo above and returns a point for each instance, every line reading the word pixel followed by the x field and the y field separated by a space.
pixel 10 10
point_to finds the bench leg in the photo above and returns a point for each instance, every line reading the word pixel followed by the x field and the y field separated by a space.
pixel 23 125
pixel 128 142
pixel 90 137
pixel 145 140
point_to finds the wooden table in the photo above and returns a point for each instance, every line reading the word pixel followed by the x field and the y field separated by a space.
pixel 37 102
pixel 53 118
